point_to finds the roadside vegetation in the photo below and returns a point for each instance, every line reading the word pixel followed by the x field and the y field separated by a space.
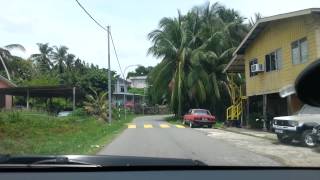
pixel 174 120
pixel 194 48
pixel 27 132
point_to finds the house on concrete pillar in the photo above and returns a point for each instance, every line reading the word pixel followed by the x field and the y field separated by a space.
pixel 271 56
pixel 5 100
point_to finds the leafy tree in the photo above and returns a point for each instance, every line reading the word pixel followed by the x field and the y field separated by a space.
pixel 49 79
pixel 69 61
pixel 194 49
pixel 21 69
pixel 43 57
pixel 5 55
pixel 140 71
pixel 59 57
pixel 96 104
pixel 253 21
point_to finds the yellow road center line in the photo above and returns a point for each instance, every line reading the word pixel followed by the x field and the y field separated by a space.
pixel 132 126
pixel 180 126
pixel 147 126
pixel 164 126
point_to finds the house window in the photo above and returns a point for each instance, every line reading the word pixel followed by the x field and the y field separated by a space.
pixel 252 62
pixel 273 60
pixel 121 88
pixel 299 51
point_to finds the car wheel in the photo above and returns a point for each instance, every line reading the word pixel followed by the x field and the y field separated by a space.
pixel 191 124
pixel 307 139
pixel 284 139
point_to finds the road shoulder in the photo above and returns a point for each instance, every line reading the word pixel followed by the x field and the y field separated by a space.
pixel 288 155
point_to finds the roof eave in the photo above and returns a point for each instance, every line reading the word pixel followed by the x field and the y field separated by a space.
pixel 273 18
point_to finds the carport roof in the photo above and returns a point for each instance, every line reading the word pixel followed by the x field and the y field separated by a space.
pixel 41 91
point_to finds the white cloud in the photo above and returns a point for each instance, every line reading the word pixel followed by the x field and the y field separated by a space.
pixel 61 22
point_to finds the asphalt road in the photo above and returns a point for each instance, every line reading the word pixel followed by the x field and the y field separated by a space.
pixel 151 136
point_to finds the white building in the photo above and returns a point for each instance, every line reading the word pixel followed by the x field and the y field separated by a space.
pixel 121 86
pixel 138 81
pixel 121 96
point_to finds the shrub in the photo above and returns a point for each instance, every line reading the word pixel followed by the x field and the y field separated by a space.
pixel 79 112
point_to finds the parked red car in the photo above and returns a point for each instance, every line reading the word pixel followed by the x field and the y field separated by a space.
pixel 199 117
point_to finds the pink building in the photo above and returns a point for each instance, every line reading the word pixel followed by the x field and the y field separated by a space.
pixel 5 100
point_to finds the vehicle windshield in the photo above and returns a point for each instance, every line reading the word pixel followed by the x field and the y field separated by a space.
pixel 201 112
pixel 138 79
pixel 306 109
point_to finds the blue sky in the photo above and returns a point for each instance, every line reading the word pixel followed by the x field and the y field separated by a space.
pixel 62 22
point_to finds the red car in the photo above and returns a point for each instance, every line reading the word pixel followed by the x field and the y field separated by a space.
pixel 199 117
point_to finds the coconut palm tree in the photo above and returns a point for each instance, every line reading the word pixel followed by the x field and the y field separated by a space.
pixel 5 55
pixel 69 61
pixel 252 21
pixel 194 50
pixel 43 58
pixel 173 43
pixel 59 56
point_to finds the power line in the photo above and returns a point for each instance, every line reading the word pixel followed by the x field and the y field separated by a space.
pixel 91 16
pixel 114 48
pixel 115 52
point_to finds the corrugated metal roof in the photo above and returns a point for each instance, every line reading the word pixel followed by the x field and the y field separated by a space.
pixel 259 26
pixel 41 91
pixel 261 23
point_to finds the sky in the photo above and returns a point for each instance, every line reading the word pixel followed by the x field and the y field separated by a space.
pixel 62 22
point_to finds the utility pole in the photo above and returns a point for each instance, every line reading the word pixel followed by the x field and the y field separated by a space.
pixel 109 77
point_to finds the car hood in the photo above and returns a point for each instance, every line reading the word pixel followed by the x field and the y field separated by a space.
pixel 104 160
pixel 300 117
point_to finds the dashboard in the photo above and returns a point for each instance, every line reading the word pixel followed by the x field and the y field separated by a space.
pixel 292 174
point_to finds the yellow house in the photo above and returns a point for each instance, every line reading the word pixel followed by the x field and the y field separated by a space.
pixel 273 53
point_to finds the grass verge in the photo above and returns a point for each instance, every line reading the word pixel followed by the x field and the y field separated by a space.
pixel 26 133
pixel 219 124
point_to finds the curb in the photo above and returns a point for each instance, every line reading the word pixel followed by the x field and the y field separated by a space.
pixel 224 129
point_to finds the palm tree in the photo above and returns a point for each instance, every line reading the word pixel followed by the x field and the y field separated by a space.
pixel 194 50
pixel 59 56
pixel 5 55
pixel 43 58
pixel 96 104
pixel 253 21
pixel 173 43
pixel 69 61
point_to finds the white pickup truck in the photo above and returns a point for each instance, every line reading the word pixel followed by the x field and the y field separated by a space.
pixel 299 126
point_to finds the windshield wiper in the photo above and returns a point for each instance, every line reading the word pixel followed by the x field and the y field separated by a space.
pixel 62 161
pixel 92 161
pixel 52 161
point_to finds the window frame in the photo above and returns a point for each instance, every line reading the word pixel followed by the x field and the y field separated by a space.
pixel 122 88
pixel 300 60
pixel 277 60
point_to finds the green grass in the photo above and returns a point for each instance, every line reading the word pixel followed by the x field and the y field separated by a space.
pixel 219 124
pixel 37 133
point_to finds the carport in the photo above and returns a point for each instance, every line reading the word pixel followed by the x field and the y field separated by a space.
pixel 43 91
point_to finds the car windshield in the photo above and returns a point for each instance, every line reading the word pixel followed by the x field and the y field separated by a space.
pixel 138 79
pixel 306 109
pixel 201 112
